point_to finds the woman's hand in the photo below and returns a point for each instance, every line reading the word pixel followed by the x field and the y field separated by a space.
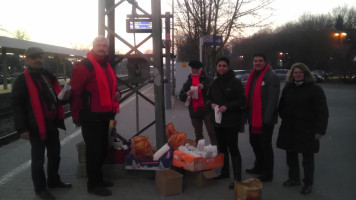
pixel 222 109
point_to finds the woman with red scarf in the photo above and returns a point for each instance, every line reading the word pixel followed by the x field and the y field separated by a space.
pixel 37 116
pixel 226 96
pixel 198 111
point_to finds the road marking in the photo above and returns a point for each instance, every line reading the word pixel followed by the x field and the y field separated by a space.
pixel 7 177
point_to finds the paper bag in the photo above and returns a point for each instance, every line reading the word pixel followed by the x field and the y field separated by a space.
pixel 249 189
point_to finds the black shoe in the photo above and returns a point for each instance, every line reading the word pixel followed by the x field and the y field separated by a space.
pixel 290 183
pixel 253 171
pixel 45 195
pixel 307 189
pixel 106 183
pixel 232 185
pixel 264 178
pixel 222 176
pixel 100 191
pixel 60 184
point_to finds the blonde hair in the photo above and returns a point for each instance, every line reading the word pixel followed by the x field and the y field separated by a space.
pixel 308 75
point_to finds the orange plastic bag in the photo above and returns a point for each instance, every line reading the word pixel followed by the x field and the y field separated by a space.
pixel 141 148
pixel 170 130
pixel 177 139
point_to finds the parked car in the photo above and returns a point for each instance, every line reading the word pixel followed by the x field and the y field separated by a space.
pixel 319 78
pixel 281 73
pixel 321 73
pixel 244 78
pixel 241 73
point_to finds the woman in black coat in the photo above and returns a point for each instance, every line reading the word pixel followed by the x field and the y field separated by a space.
pixel 226 95
pixel 304 113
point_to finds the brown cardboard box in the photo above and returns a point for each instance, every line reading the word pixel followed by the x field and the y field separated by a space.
pixel 169 182
pixel 200 179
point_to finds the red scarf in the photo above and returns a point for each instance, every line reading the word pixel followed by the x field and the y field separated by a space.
pixel 256 101
pixel 36 104
pixel 197 104
pixel 106 96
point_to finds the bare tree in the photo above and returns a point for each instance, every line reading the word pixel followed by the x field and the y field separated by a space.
pixel 21 34
pixel 226 18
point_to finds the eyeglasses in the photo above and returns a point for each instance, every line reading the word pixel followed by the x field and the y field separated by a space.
pixel 35 56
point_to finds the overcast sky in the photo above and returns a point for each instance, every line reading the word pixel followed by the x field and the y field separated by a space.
pixel 74 22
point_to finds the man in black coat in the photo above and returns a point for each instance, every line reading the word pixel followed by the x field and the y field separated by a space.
pixel 37 116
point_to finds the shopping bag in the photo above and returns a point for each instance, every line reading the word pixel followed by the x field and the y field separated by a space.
pixel 249 189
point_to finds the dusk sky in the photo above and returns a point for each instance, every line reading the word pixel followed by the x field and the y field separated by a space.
pixel 68 23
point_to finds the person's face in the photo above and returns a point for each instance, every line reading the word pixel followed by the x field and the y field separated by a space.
pixel 101 48
pixel 298 75
pixel 35 61
pixel 222 67
pixel 194 71
pixel 258 63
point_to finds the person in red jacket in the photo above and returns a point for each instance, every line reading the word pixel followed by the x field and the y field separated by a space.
pixel 94 101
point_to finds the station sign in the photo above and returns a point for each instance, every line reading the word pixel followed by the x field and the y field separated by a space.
pixel 138 25
pixel 209 40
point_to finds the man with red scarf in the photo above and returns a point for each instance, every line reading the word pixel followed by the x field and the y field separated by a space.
pixel 37 116
pixel 94 101
pixel 198 110
pixel 262 94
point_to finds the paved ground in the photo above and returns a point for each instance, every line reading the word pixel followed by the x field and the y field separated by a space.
pixel 335 164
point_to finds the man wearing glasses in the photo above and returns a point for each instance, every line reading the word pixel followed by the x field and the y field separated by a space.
pixel 37 116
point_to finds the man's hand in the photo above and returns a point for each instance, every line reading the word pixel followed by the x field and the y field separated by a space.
pixel 25 135
pixel 189 93
pixel 317 136
pixel 201 86
pixel 117 96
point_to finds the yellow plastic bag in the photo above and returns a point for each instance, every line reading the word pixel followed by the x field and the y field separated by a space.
pixel 249 189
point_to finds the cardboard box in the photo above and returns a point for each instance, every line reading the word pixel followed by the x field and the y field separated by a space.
pixel 200 179
pixel 169 182
pixel 196 164
pixel 163 163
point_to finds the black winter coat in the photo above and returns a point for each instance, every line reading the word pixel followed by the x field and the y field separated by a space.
pixel 24 117
pixel 203 79
pixel 226 90
pixel 304 113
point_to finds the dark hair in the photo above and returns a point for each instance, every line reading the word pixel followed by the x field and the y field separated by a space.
pixel 260 55
pixel 225 59
pixel 196 64
pixel 308 75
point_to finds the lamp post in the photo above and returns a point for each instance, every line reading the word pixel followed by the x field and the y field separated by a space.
pixel 340 35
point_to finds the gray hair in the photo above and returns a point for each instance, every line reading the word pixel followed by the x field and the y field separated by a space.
pixel 308 75
pixel 100 38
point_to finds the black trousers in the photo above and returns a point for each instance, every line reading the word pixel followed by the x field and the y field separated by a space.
pixel 262 147
pixel 95 136
pixel 198 129
pixel 308 165
pixel 227 139
pixel 38 148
